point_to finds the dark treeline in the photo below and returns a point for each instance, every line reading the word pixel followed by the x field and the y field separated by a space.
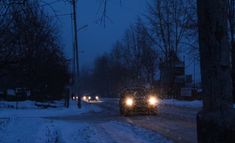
pixel 30 52
pixel 131 61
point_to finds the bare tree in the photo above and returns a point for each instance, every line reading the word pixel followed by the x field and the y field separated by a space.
pixel 5 39
pixel 173 26
pixel 147 52
pixel 172 22
pixel 131 62
pixel 137 53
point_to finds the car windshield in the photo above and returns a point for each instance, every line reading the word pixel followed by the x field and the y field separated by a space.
pixel 138 92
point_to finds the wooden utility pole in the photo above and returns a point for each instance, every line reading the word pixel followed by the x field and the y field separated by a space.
pixel 75 55
pixel 215 123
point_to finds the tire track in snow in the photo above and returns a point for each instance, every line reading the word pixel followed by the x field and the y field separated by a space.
pixel 127 133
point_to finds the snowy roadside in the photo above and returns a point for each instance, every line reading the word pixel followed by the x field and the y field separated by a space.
pixel 28 109
pixel 26 125
pixel 21 105
pixel 39 130
pixel 181 103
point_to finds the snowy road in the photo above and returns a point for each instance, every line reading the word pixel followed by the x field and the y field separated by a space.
pixel 109 127
pixel 175 123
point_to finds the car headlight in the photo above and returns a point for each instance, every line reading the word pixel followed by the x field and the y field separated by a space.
pixel 152 100
pixel 129 101
pixel 84 98
pixel 89 97
pixel 97 97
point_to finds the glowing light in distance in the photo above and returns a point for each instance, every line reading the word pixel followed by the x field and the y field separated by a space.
pixel 84 98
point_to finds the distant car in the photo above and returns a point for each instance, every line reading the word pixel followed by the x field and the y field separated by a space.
pixel 75 98
pixel 91 98
pixel 138 100
pixel 84 98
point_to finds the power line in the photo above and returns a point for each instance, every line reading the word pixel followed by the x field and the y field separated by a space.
pixel 50 3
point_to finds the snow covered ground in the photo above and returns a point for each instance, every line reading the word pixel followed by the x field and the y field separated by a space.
pixel 181 103
pixel 37 130
pixel 28 109
pixel 28 125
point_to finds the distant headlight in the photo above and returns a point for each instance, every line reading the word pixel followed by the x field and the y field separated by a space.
pixel 84 97
pixel 73 98
pixel 129 101
pixel 89 97
pixel 97 97
pixel 76 97
pixel 152 100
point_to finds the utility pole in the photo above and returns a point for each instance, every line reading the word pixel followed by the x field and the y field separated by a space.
pixel 75 55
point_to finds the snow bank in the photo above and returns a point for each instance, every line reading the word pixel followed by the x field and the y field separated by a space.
pixel 49 112
pixel 19 130
pixel 38 130
pixel 74 132
pixel 47 133
pixel 27 104
pixel 190 104
pixel 23 104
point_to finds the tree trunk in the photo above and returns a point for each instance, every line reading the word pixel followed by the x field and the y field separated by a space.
pixel 233 69
pixel 215 57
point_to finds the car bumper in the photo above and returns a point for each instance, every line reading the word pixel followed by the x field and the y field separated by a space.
pixel 142 109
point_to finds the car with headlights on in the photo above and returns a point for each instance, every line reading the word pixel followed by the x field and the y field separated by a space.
pixel 138 101
pixel 91 98
pixel 75 98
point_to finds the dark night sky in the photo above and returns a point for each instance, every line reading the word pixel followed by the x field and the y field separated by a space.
pixel 95 40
